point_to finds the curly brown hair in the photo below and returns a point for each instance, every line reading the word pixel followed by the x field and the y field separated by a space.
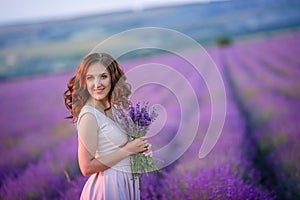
pixel 77 94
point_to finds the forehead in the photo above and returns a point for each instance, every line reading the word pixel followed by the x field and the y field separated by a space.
pixel 97 68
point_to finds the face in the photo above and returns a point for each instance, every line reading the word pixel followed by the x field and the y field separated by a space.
pixel 98 82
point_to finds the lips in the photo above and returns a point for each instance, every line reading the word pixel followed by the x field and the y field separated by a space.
pixel 99 90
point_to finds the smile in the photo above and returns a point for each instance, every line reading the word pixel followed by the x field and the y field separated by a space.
pixel 99 90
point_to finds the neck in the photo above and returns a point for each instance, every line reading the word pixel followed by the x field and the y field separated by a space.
pixel 100 105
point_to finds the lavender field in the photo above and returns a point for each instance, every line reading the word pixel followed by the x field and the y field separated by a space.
pixel 256 156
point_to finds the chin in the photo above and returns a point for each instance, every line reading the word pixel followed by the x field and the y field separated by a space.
pixel 100 98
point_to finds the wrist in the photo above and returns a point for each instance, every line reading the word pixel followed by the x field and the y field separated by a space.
pixel 126 150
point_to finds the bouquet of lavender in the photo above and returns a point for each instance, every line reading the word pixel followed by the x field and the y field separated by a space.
pixel 136 121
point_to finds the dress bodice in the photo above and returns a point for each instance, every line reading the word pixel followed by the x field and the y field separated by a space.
pixel 110 136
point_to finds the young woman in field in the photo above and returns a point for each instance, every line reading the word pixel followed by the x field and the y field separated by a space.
pixel 104 150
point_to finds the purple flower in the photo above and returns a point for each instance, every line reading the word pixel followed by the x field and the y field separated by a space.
pixel 141 116
pixel 131 112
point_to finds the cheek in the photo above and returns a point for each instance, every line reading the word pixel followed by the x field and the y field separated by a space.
pixel 107 83
pixel 89 85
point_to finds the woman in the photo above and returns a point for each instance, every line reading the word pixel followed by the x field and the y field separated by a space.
pixel 104 150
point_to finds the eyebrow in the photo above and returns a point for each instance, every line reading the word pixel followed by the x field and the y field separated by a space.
pixel 104 73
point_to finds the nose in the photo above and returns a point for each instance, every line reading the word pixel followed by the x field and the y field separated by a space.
pixel 98 82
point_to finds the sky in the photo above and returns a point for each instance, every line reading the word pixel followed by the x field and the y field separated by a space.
pixel 16 11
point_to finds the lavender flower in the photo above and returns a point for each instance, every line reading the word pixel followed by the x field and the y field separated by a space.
pixel 141 118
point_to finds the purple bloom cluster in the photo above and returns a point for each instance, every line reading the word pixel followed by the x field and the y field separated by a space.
pixel 135 120
pixel 140 115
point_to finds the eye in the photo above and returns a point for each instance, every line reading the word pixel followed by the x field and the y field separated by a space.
pixel 103 76
pixel 89 78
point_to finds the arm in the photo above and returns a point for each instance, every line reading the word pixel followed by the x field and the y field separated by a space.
pixel 87 130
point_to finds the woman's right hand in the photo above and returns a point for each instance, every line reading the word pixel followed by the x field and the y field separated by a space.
pixel 138 145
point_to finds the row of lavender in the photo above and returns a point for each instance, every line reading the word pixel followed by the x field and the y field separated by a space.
pixel 39 150
pixel 38 146
pixel 220 174
pixel 266 77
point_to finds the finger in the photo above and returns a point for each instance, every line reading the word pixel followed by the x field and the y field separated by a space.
pixel 142 144
pixel 146 146
pixel 148 153
pixel 143 139
pixel 149 146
